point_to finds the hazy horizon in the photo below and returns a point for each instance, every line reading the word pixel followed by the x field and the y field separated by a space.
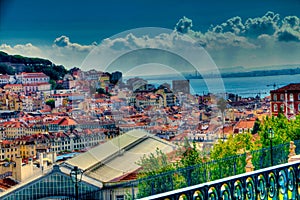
pixel 252 34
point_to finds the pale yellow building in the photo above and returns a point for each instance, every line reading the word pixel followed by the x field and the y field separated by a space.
pixel 104 81
pixel 27 149
pixel 14 129
pixel 9 151
pixel 11 101
pixel 14 88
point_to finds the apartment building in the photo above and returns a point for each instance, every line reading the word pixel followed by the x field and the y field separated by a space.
pixel 286 100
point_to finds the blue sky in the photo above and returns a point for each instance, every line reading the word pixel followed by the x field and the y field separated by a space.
pixel 65 31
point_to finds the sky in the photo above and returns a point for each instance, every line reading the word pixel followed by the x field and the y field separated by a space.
pixel 251 34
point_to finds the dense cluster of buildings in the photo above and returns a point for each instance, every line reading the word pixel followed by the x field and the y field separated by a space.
pixel 39 123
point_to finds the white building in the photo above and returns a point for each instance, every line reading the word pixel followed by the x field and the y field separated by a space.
pixel 29 78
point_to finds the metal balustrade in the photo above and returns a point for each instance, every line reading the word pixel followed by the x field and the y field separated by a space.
pixel 277 182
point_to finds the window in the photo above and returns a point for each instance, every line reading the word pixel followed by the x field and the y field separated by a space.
pixel 275 97
pixel 282 97
pixel 291 97
pixel 275 107
pixel 291 108
pixel 282 107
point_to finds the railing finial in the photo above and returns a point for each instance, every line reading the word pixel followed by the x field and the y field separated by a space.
pixel 249 166
pixel 292 151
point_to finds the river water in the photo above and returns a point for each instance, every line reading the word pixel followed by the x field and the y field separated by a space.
pixel 243 86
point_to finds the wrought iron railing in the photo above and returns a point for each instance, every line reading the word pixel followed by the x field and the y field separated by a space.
pixel 277 182
pixel 262 157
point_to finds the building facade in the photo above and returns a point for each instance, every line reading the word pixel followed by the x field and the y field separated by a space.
pixel 286 100
pixel 29 78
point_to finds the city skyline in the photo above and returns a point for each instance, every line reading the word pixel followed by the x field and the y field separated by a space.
pixel 234 34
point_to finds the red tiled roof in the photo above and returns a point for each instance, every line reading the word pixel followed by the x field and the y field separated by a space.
pixel 35 84
pixel 67 122
pixel 245 124
pixel 33 74
pixel 6 142
pixel 14 124
pixel 13 85
pixel 290 87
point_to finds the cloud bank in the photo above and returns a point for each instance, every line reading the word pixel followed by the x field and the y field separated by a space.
pixel 26 49
pixel 259 41
pixel 266 40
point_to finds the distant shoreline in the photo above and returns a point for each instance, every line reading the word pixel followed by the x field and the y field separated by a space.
pixel 259 73
pixel 256 73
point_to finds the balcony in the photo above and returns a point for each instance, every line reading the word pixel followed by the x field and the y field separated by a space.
pixel 277 182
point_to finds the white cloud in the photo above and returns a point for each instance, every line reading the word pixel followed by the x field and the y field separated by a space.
pixel 61 52
pixel 162 40
pixel 216 41
pixel 267 24
pixel 265 40
pixel 64 42
pixel 184 25
pixel 25 50
pixel 166 42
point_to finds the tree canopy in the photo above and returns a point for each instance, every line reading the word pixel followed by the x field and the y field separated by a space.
pixel 5 69
pixel 18 59
pixel 55 72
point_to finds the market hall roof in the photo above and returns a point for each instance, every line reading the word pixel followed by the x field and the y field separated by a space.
pixel 119 156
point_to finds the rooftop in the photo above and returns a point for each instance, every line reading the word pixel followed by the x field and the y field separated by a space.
pixel 119 156
pixel 290 87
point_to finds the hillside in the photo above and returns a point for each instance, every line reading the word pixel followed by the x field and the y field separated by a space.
pixel 55 72
pixel 17 59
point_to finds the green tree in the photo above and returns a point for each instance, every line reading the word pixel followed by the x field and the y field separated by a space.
pixel 283 130
pixel 5 69
pixel 51 103
pixel 256 126
pixel 153 164
pixel 100 91
pixel 190 165
pixel 234 145
pixel 59 87
pixel 53 84
pixel 189 154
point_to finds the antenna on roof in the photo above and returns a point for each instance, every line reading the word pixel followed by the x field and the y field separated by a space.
pixel 275 85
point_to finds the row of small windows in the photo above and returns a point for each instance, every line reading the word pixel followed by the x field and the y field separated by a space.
pixel 291 106
pixel 36 79
pixel 3 81
pixel 8 149
pixel 291 97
